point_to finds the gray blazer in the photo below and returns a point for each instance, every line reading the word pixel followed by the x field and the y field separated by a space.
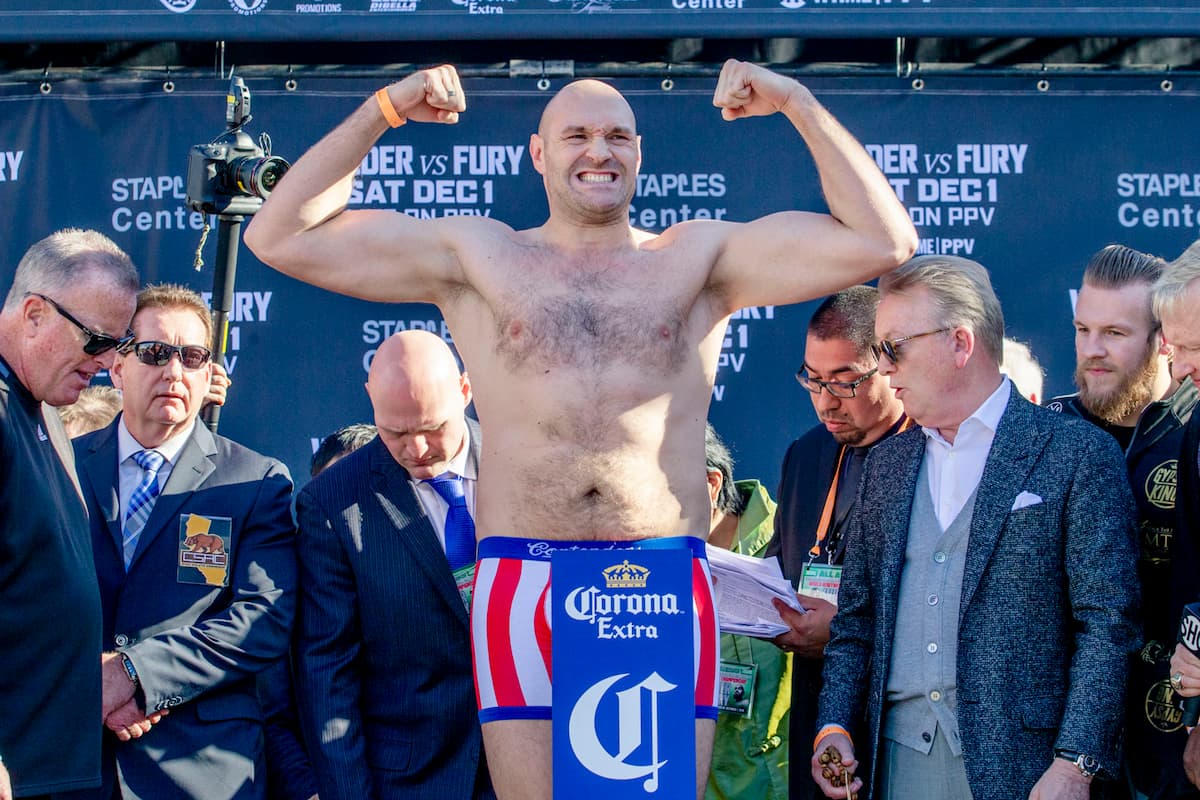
pixel 383 649
pixel 197 648
pixel 1048 618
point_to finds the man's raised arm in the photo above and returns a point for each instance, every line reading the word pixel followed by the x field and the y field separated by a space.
pixel 304 229
pixel 793 256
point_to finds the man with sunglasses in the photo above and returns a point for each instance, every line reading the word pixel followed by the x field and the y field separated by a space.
pixel 988 605
pixel 817 489
pixel 193 543
pixel 68 307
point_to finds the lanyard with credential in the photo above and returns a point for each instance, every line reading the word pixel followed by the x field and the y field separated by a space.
pixel 831 498
pixel 827 512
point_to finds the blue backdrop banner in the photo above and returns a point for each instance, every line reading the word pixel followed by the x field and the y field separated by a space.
pixel 1027 175
pixel 441 20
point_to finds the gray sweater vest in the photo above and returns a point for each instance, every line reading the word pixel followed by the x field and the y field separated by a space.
pixel 922 685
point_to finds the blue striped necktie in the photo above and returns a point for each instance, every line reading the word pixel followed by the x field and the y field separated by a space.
pixel 460 528
pixel 141 502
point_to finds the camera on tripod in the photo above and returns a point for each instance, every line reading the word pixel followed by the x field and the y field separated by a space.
pixel 233 174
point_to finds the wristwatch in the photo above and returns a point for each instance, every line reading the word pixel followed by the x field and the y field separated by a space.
pixel 127 662
pixel 1087 765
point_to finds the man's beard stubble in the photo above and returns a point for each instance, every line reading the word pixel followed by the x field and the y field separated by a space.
pixel 852 437
pixel 1131 395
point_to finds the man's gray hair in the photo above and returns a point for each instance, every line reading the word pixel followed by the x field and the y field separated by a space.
pixel 62 258
pixel 962 294
pixel 1176 279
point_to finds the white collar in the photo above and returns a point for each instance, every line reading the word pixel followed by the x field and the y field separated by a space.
pixel 127 445
pixel 986 417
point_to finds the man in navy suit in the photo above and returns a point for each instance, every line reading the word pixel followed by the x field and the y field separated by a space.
pixel 988 604
pixel 384 679
pixel 193 543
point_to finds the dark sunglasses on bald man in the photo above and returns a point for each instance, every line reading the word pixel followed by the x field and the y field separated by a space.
pixel 158 354
pixel 96 343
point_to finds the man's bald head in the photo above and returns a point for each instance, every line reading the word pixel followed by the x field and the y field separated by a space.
pixel 587 94
pixel 419 398
pixel 412 363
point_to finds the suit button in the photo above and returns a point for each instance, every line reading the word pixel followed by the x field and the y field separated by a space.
pixel 121 640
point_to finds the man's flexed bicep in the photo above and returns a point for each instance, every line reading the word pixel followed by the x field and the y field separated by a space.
pixel 793 256
pixel 305 230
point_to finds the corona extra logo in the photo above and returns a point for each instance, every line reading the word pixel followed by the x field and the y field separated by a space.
pixel 633 705
pixel 625 576
pixel 586 603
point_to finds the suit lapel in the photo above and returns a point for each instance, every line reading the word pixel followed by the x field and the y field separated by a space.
pixel 400 503
pixel 192 467
pixel 1019 439
pixel 101 468
pixel 901 470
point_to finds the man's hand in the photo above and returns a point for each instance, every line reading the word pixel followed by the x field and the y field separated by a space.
pixel 128 721
pixel 846 750
pixel 5 784
pixel 115 687
pixel 1186 665
pixel 431 95
pixel 809 632
pixel 1191 758
pixel 1062 780
pixel 218 387
pixel 747 90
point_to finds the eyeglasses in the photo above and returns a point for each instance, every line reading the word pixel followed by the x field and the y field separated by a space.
pixel 96 343
pixel 158 354
pixel 890 347
pixel 842 389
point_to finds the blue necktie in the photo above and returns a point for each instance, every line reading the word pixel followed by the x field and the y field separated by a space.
pixel 141 502
pixel 460 528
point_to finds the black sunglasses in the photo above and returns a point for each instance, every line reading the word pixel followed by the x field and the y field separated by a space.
pixel 96 343
pixel 158 354
pixel 841 389
pixel 890 347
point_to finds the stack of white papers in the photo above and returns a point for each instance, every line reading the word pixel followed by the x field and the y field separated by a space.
pixel 744 586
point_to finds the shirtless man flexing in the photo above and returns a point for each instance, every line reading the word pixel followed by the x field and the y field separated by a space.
pixel 593 426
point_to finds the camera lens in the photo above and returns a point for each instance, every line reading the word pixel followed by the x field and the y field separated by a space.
pixel 258 176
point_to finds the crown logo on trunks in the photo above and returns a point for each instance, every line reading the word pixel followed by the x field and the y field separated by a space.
pixel 625 576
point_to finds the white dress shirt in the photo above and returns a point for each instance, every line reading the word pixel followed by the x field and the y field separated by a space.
pixel 955 469
pixel 435 507
pixel 129 474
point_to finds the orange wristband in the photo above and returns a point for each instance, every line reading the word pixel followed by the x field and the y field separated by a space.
pixel 828 729
pixel 389 110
